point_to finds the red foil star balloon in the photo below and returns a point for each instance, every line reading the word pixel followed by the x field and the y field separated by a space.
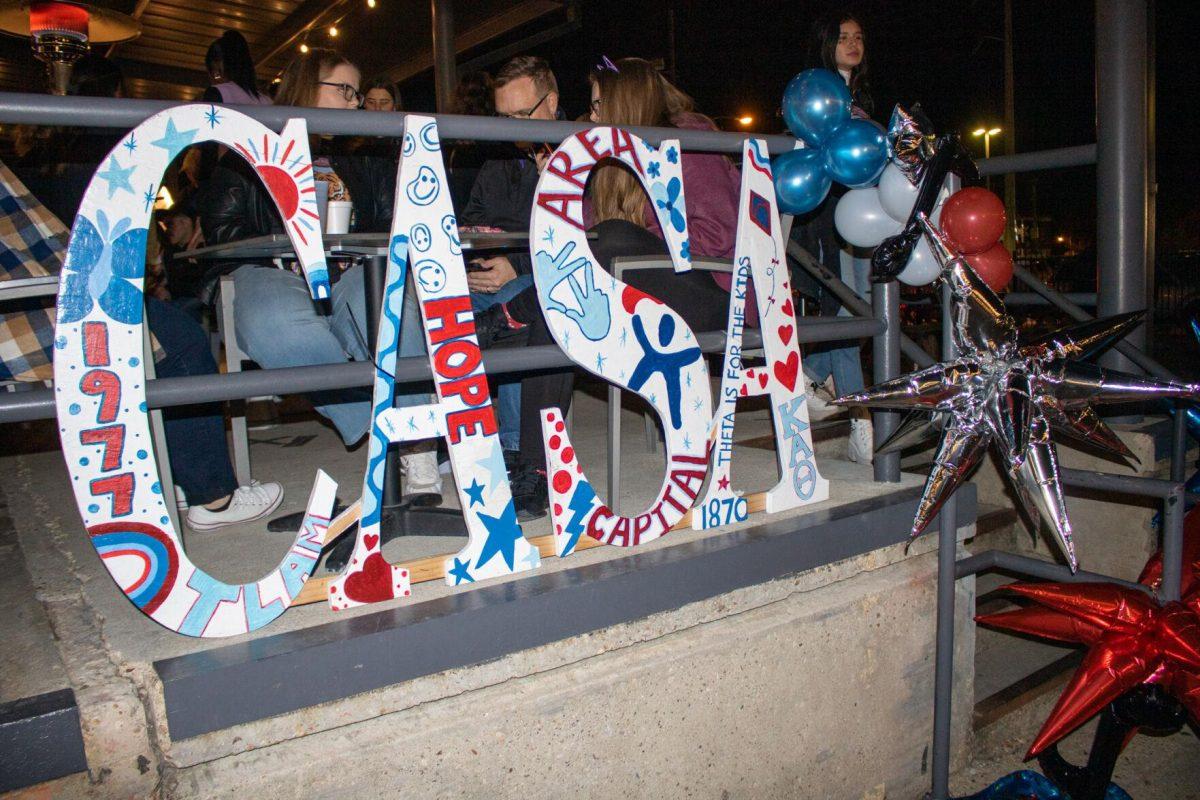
pixel 1131 638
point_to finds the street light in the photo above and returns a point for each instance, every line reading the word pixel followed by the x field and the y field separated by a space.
pixel 746 120
pixel 987 134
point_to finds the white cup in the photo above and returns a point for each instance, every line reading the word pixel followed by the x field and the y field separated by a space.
pixel 337 216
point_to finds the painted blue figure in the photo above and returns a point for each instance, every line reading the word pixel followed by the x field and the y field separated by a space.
pixel 669 364
pixel 593 317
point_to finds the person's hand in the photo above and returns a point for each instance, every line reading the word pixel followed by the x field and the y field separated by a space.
pixel 542 156
pixel 494 273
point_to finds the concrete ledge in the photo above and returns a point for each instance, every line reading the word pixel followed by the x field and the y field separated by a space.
pixel 249 681
pixel 40 739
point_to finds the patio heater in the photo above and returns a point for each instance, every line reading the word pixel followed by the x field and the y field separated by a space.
pixel 61 32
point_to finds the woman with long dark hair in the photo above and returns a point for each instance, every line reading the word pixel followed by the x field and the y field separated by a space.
pixel 231 70
pixel 839 45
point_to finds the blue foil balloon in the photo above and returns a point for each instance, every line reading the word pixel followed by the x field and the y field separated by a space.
pixel 801 181
pixel 856 153
pixel 815 103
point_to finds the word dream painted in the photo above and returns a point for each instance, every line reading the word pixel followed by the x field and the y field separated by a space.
pixel 627 337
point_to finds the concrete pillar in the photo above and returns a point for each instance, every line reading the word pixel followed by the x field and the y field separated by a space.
pixel 1121 147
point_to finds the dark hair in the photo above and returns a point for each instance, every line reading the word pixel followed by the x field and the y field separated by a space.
pixel 824 54
pixel 473 95
pixel 534 67
pixel 393 91
pixel 96 76
pixel 233 53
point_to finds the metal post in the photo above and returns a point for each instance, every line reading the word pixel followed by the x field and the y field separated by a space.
pixel 1179 444
pixel 885 297
pixel 444 77
pixel 1121 163
pixel 1173 510
pixel 943 666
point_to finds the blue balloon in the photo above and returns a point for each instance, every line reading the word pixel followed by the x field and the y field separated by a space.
pixel 801 182
pixel 856 154
pixel 815 103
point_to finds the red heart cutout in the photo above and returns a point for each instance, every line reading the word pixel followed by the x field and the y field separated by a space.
pixel 785 333
pixel 370 540
pixel 787 307
pixel 785 371
pixel 762 379
pixel 372 583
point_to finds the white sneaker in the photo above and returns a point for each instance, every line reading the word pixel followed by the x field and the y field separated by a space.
pixel 181 503
pixel 817 397
pixel 421 475
pixel 253 501
pixel 862 441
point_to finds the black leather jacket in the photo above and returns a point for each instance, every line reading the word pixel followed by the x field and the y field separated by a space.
pixel 234 205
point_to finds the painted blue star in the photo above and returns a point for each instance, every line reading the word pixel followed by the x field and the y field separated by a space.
pixel 549 237
pixel 173 140
pixel 503 533
pixel 460 572
pixel 654 170
pixel 475 492
pixel 600 359
pixel 672 155
pixel 622 374
pixel 494 464
pixel 432 415
pixel 131 144
pixel 687 442
pixel 566 340
pixel 149 197
pixel 116 176
pixel 533 558
pixel 213 118
pixel 412 423
pixel 624 335
pixel 697 404
pixel 687 336
pixel 653 398
pixel 687 378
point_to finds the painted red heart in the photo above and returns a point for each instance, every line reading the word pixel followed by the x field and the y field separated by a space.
pixel 372 583
pixel 762 379
pixel 743 391
pixel 370 540
pixel 785 333
pixel 785 371
pixel 787 307
pixel 749 373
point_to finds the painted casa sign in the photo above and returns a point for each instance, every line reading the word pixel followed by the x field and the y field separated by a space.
pixel 618 333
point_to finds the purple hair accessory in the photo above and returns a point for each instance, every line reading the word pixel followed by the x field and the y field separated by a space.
pixel 606 64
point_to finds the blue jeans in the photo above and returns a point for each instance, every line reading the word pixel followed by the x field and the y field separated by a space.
pixel 279 325
pixel 195 435
pixel 508 400
pixel 844 363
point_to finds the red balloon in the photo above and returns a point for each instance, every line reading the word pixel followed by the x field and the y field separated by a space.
pixel 994 265
pixel 973 219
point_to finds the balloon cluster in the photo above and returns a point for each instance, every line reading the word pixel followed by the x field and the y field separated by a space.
pixel 865 217
pixel 973 220
pixel 817 109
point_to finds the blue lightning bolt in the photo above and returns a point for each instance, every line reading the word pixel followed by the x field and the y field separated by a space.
pixel 581 504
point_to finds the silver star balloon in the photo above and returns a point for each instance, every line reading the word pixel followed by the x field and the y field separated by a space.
pixel 1011 396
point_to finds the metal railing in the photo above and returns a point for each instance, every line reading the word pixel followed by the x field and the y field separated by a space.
pixel 880 322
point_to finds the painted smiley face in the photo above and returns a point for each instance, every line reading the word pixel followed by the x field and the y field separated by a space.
pixel 420 237
pixel 429 137
pixel 424 188
pixel 410 144
pixel 431 275
pixel 450 228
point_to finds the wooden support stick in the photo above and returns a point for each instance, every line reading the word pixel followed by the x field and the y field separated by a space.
pixel 432 568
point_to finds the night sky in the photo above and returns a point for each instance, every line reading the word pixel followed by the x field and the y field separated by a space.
pixel 736 57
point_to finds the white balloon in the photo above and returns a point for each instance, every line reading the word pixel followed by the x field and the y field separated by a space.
pixel 896 194
pixel 922 267
pixel 860 219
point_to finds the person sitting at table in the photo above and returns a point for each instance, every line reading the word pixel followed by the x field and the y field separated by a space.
pixel 632 92
pixel 278 324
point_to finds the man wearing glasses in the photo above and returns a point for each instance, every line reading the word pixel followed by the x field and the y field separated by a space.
pixel 524 88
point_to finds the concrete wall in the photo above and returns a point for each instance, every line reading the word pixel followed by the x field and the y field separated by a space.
pixel 819 685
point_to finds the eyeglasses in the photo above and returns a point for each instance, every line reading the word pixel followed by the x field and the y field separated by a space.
pixel 347 91
pixel 527 113
pixel 595 105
